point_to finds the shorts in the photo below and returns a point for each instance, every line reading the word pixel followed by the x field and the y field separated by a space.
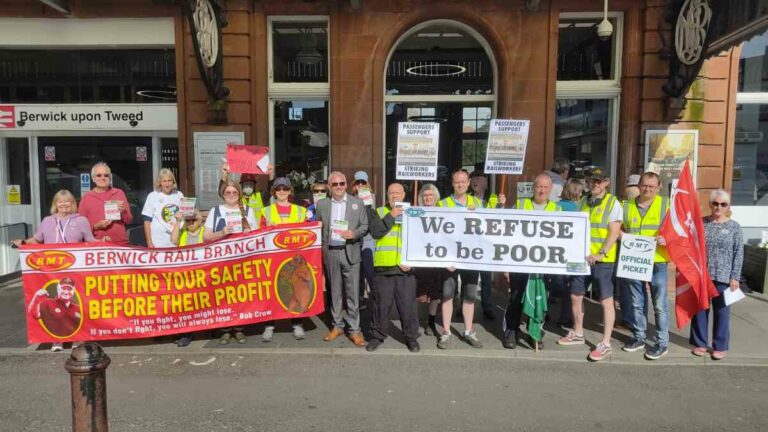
pixel 469 287
pixel 601 280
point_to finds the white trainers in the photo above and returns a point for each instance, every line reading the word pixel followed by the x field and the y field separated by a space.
pixel 57 347
pixel 298 332
pixel 269 333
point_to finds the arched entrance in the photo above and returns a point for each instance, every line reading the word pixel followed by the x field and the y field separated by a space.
pixel 441 71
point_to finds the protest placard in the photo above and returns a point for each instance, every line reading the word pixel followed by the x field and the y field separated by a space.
pixel 124 292
pixel 417 146
pixel 496 240
pixel 636 257
pixel 507 141
pixel 247 159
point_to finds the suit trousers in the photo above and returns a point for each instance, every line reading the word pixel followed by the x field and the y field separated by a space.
pixel 344 279
pixel 398 290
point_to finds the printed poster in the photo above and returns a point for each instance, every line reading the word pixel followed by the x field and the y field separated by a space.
pixel 666 152
pixel 507 142
pixel 417 146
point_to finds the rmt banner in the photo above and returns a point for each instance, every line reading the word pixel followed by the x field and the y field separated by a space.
pixel 496 240
pixel 96 291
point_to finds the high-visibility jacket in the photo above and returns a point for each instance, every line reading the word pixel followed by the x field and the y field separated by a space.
pixel 649 224
pixel 493 200
pixel 598 222
pixel 253 203
pixel 270 214
pixel 527 204
pixel 184 236
pixel 386 252
pixel 472 201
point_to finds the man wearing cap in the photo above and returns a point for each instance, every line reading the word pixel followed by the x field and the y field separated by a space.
pixel 395 283
pixel 366 259
pixel 542 186
pixel 605 216
pixel 345 222
pixel 60 316
pixel 644 216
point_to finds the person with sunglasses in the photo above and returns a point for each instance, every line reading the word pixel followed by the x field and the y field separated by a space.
pixel 278 213
pixel 93 206
pixel 319 191
pixel 644 216
pixel 725 256
pixel 345 222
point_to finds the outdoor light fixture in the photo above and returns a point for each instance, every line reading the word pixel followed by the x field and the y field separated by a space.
pixel 605 28
pixel 436 70
pixel 308 53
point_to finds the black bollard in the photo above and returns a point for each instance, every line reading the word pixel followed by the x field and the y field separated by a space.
pixel 87 367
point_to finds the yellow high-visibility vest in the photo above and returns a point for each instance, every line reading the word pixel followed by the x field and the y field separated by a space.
pixel 184 236
pixel 472 201
pixel 386 252
pixel 255 203
pixel 649 224
pixel 527 204
pixel 270 214
pixel 598 222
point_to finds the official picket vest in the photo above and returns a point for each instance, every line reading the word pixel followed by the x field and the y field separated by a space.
pixel 387 249
pixel 472 201
pixel 598 222
pixel 298 214
pixel 527 204
pixel 184 236
pixel 649 225
pixel 493 200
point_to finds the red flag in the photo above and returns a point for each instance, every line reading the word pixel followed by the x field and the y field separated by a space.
pixel 683 231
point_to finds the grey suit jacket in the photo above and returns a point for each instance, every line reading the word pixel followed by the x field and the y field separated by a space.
pixel 356 216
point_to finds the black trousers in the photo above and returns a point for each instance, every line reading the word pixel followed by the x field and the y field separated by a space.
pixel 517 285
pixel 400 291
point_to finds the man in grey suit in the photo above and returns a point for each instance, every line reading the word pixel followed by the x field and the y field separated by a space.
pixel 345 222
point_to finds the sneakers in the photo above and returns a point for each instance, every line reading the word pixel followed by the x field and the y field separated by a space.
pixel 510 339
pixel 225 338
pixel 269 333
pixel 471 338
pixel 445 341
pixel 298 332
pixel 633 345
pixel 656 352
pixel 571 339
pixel 600 351
pixel 57 347
pixel 240 337
pixel 699 351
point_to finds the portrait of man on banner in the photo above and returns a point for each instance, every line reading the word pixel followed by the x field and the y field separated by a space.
pixel 666 152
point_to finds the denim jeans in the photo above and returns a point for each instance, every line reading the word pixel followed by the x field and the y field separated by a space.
pixel 639 296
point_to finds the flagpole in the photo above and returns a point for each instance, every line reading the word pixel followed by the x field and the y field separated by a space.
pixel 415 192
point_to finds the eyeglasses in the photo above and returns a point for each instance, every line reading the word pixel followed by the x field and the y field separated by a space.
pixel 720 204
pixel 101 175
pixel 319 191
pixel 337 184
pixel 231 193
pixel 361 182
pixel 282 189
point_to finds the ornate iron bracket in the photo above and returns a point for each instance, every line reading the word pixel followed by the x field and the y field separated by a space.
pixel 206 19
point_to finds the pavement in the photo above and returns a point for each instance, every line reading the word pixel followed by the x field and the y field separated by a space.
pixel 748 329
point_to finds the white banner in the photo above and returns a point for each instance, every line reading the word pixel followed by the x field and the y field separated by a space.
pixel 496 240
pixel 507 141
pixel 77 117
pixel 636 257
pixel 417 145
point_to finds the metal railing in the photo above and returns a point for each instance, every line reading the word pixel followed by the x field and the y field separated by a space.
pixel 9 257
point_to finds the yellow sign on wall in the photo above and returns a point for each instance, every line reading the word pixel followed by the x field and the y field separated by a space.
pixel 13 194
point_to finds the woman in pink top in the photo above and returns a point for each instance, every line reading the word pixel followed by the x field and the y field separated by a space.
pixel 93 203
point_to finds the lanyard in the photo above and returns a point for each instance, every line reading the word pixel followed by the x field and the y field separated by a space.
pixel 61 230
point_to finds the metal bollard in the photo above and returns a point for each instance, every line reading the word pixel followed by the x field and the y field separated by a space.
pixel 87 367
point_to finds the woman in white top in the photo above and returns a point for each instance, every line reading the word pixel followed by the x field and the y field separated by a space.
pixel 159 210
pixel 225 219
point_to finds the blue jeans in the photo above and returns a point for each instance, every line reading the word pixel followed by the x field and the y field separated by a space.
pixel 635 289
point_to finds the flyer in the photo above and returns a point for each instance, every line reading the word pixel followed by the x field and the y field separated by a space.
pixel 364 193
pixel 507 142
pixel 417 146
pixel 402 205
pixel 337 228
pixel 112 210
pixel 187 206
pixel 235 220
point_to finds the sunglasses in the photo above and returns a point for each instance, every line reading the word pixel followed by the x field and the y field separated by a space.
pixel 319 191
pixel 720 204
pixel 101 175
pixel 282 189
pixel 337 184
pixel 361 182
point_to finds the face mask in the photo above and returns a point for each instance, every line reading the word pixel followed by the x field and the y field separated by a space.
pixel 248 190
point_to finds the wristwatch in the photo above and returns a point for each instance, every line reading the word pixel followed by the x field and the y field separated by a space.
pixel 603 252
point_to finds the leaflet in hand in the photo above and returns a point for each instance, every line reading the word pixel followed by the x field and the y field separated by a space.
pixel 187 207
pixel 364 193
pixel 235 220
pixel 318 196
pixel 337 228
pixel 112 210
pixel 402 205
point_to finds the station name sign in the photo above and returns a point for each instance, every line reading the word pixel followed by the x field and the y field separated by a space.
pixel 77 117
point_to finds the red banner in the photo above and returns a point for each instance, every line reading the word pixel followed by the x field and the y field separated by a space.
pixel 98 291
pixel 247 159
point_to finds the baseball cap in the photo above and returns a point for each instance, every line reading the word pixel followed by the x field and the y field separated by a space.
pixel 67 281
pixel 477 173
pixel 633 180
pixel 281 181
pixel 361 175
pixel 595 172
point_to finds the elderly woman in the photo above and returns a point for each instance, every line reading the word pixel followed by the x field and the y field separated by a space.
pixel 159 210
pixel 725 254
pixel 64 225
pixel 93 207
pixel 225 219
pixel 428 285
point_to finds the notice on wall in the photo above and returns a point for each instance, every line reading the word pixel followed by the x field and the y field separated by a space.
pixel 507 141
pixel 85 184
pixel 636 257
pixel 246 159
pixel 76 117
pixel 210 149
pixel 666 152
pixel 496 240
pixel 50 153
pixel 13 194
pixel 417 146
